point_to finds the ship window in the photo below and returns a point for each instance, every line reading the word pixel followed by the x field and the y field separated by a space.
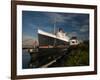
pixel 73 42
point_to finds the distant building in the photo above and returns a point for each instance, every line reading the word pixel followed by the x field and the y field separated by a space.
pixel 74 41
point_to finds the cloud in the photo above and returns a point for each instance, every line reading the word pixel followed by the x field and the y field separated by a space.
pixel 83 37
pixel 80 37
pixel 60 17
pixel 84 28
pixel 75 25
pixel 26 37
pixel 33 27
pixel 56 17
pixel 73 34
pixel 70 16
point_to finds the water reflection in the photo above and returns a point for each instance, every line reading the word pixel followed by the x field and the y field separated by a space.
pixel 25 59
pixel 29 60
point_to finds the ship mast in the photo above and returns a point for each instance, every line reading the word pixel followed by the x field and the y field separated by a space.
pixel 54 31
pixel 55 26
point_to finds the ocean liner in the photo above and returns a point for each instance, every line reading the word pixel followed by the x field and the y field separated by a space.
pixel 52 47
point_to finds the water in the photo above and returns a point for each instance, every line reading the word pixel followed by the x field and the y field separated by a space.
pixel 25 59
pixel 34 61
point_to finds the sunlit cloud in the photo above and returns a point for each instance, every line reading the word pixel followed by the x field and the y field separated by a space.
pixel 28 40
pixel 26 37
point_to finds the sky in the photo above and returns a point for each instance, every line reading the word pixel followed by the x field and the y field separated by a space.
pixel 74 24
